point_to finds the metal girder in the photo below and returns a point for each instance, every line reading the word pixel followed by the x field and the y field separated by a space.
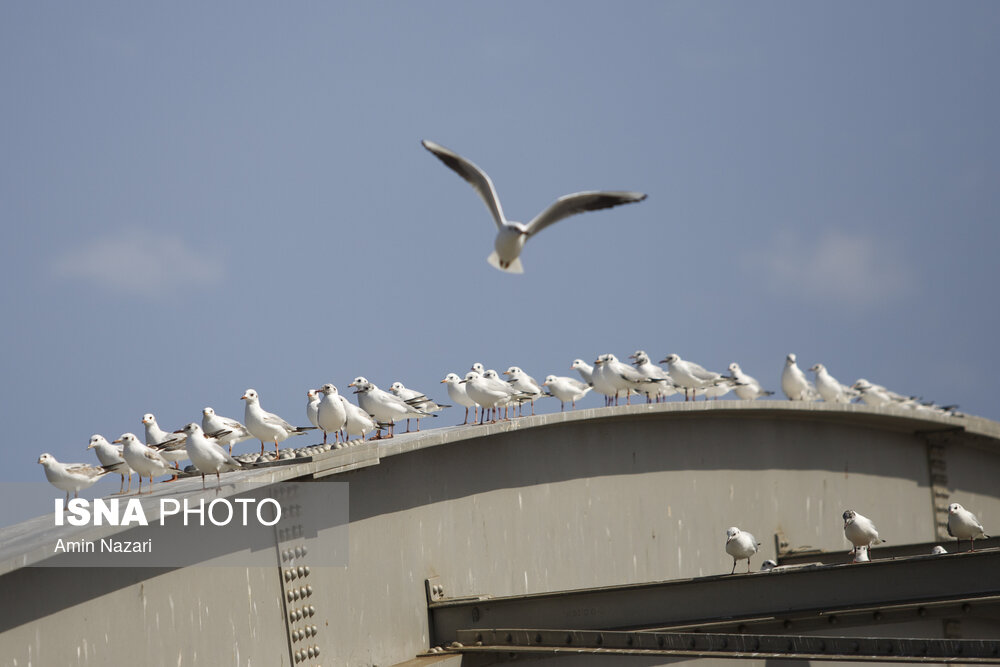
pixel 964 580
pixel 595 642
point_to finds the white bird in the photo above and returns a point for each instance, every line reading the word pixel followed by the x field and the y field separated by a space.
pixel 213 423
pixel 662 389
pixel 331 415
pixel 859 530
pixel 312 407
pixel 415 399
pixel 963 524
pixel 384 407
pixel 68 477
pixel 169 444
pixel 585 370
pixel 875 395
pixel 358 421
pixel 111 458
pixel 145 461
pixel 794 382
pixel 719 388
pixel 207 454
pixel 767 565
pixel 566 389
pixel 861 555
pixel 511 236
pixel 626 378
pixel 458 393
pixel 829 388
pixel 606 382
pixel 938 550
pixel 265 425
pixel 740 545
pixel 746 386
pixel 486 393
pixel 525 384
pixel 514 396
pixel 689 375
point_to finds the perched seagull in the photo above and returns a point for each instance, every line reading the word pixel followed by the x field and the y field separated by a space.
pixel 415 399
pixel 513 395
pixel 606 382
pixel 358 421
pixel 457 393
pixel 626 378
pixel 794 382
pixel 111 458
pixel 207 455
pixel 963 524
pixel 740 545
pixel 720 388
pixel 829 389
pixel 213 423
pixel 169 444
pixel 68 477
pixel 875 395
pixel 525 384
pixel 664 387
pixel 689 375
pixel 264 425
pixel 566 389
pixel 384 407
pixel 486 393
pixel 859 530
pixel 746 387
pixel 312 407
pixel 145 461
pixel 585 370
pixel 331 415
pixel 511 236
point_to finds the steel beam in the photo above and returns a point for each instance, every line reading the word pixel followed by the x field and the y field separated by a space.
pixel 811 592
pixel 582 642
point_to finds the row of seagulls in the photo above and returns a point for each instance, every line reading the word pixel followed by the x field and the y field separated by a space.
pixel 861 532
pixel 511 236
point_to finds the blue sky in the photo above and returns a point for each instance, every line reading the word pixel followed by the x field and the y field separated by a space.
pixel 197 199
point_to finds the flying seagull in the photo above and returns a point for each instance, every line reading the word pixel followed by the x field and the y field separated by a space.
pixel 511 236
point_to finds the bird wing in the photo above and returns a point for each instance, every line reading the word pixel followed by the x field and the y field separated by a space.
pixel 84 469
pixel 580 202
pixel 473 175
pixel 271 418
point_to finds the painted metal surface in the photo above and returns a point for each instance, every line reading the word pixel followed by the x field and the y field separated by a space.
pixel 586 499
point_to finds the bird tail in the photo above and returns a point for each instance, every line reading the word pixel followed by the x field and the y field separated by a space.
pixel 514 267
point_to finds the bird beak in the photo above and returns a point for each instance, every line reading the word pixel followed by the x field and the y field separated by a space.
pixel 116 442
pixel 443 381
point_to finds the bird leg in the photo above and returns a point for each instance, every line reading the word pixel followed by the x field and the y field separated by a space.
pixel 733 571
pixel 276 452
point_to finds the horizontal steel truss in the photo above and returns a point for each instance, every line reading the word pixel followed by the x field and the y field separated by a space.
pixel 965 584
pixel 598 642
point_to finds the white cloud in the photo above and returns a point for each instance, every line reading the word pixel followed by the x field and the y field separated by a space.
pixel 848 269
pixel 139 262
